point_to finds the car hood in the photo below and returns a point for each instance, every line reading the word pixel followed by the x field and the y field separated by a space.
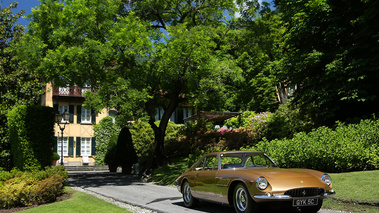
pixel 284 179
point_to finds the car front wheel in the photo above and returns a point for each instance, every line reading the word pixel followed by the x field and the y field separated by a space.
pixel 242 201
pixel 189 200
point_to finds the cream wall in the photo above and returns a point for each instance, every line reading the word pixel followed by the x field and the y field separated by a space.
pixel 78 130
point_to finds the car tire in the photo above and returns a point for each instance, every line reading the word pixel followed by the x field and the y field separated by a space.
pixel 189 200
pixel 242 201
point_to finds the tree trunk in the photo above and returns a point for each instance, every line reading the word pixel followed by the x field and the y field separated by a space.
pixel 159 155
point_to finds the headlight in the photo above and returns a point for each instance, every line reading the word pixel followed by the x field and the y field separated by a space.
pixel 261 183
pixel 326 178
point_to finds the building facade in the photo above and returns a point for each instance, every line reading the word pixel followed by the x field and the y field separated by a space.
pixel 78 142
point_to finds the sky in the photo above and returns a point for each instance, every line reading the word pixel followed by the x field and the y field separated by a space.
pixel 26 5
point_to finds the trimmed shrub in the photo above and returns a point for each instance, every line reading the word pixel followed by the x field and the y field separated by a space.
pixel 31 131
pixel 47 190
pixel 347 148
pixel 104 131
pixel 19 188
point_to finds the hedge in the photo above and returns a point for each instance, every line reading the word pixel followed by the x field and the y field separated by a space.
pixel 19 188
pixel 346 148
pixel 31 131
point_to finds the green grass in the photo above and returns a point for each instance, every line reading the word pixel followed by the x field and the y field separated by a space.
pixel 362 187
pixel 167 175
pixel 79 202
pixel 355 192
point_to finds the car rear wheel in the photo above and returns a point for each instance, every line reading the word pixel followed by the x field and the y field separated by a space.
pixel 188 199
pixel 242 201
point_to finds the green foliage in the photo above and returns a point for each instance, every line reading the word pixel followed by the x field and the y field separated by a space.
pixel 334 77
pixel 32 187
pixel 258 47
pixel 17 84
pixel 110 157
pixel 243 120
pixel 143 140
pixel 32 136
pixel 48 189
pixel 104 131
pixel 347 148
pixel 287 121
pixel 56 156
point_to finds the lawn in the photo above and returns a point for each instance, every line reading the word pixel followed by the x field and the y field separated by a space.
pixel 355 192
pixel 79 202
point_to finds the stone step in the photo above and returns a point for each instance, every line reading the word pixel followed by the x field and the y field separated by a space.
pixel 86 168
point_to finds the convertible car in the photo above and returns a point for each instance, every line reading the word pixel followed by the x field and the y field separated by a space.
pixel 247 180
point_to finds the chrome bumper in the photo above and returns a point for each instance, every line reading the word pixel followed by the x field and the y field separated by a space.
pixel 269 196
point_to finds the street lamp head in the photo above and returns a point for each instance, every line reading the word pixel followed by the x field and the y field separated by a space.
pixel 58 118
pixel 66 116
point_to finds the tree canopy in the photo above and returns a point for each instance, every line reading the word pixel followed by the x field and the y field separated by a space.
pixel 142 55
pixel 117 49
pixel 332 49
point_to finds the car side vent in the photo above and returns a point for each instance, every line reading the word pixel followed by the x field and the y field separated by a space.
pixel 305 192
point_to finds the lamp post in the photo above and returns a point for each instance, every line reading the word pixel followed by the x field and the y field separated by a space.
pixel 62 119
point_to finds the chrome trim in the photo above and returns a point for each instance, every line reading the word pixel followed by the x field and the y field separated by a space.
pixel 287 197
pixel 274 197
pixel 329 194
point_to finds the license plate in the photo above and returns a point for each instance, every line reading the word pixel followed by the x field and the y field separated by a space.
pixel 305 202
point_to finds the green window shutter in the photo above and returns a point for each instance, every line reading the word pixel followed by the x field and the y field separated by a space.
pixel 70 146
pixel 55 106
pixel 93 117
pixel 78 146
pixel 93 146
pixel 71 111
pixel 55 147
pixel 78 114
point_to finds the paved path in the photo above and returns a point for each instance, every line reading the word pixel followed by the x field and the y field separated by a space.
pixel 140 196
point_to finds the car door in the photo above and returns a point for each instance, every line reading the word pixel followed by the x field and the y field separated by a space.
pixel 206 183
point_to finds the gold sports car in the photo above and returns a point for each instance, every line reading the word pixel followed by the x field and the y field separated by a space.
pixel 247 180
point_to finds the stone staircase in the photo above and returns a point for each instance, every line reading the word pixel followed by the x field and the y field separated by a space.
pixel 86 168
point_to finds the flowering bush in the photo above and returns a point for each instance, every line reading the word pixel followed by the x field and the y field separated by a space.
pixel 223 129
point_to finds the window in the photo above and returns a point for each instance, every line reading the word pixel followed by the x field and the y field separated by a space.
pixel 85 147
pixel 62 109
pixel 211 163
pixel 113 115
pixel 208 163
pixel 65 146
pixel 86 115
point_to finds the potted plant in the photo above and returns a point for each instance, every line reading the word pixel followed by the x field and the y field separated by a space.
pixel 110 157
pixel 56 157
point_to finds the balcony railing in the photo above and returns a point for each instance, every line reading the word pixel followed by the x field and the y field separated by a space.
pixel 73 91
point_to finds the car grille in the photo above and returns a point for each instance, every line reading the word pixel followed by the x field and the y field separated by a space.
pixel 305 192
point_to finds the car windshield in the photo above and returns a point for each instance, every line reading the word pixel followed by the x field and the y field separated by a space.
pixel 243 160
